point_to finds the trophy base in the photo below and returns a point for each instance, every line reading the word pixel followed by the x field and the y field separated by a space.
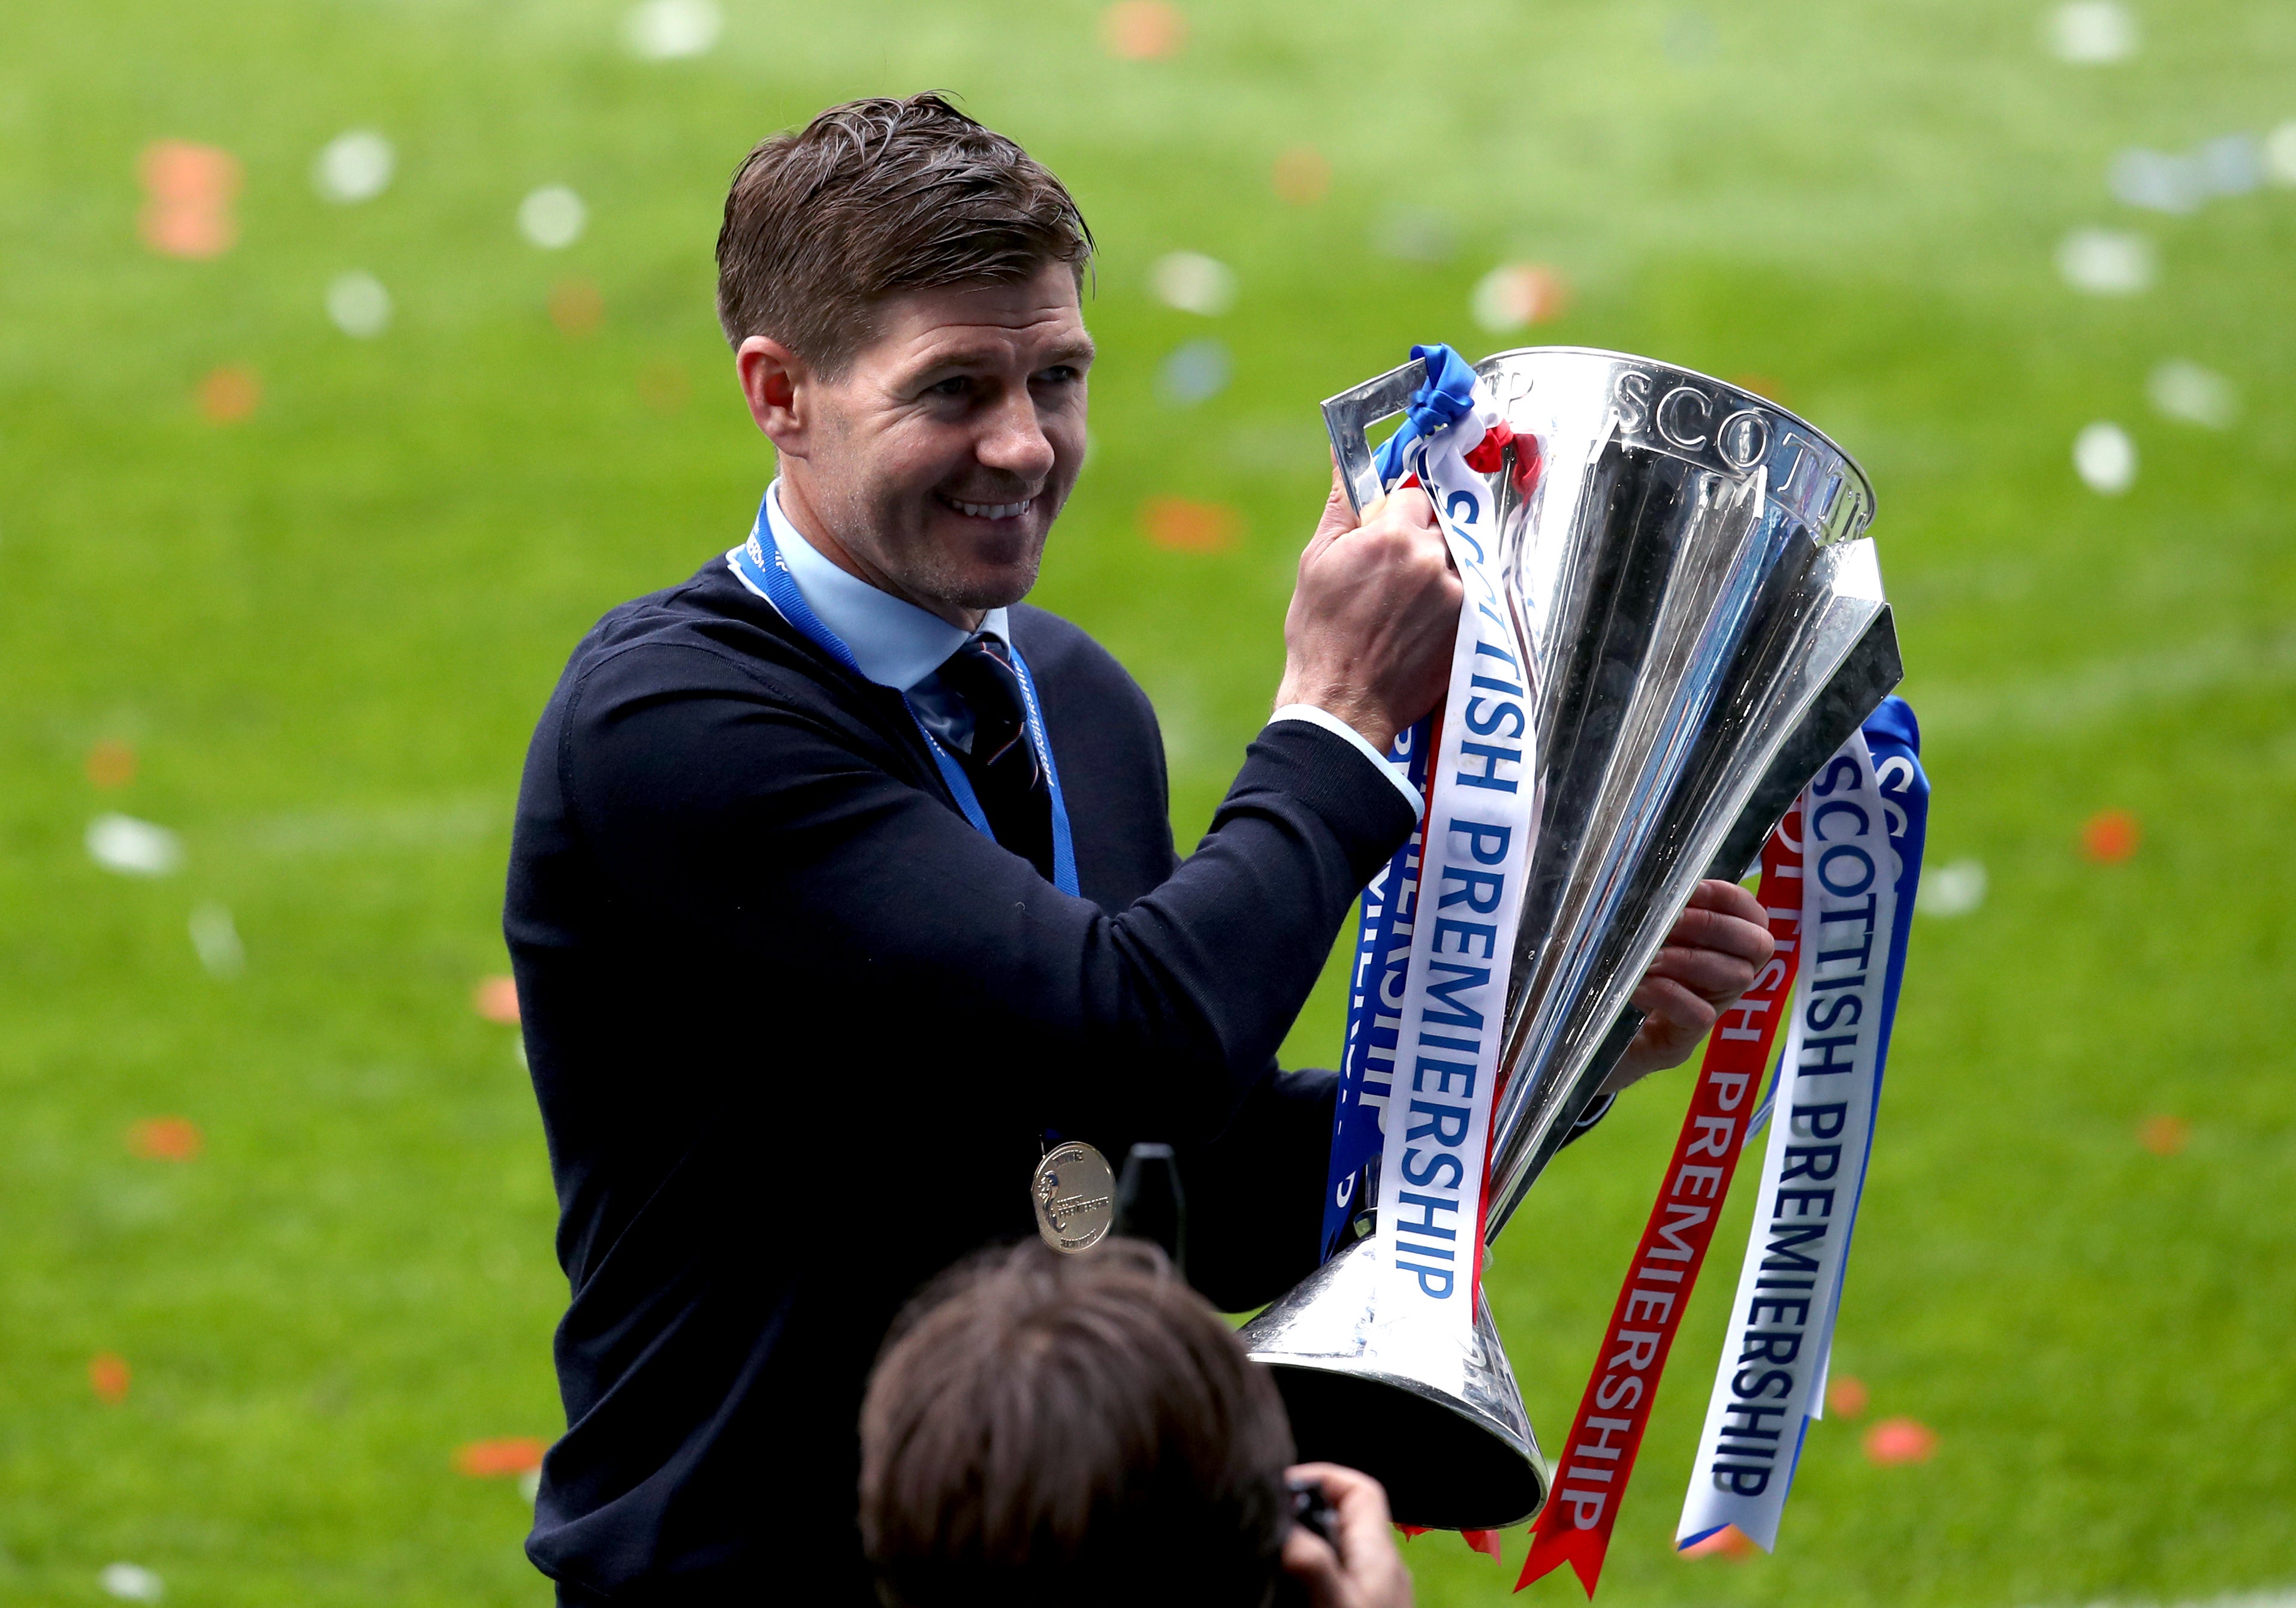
pixel 1434 1417
pixel 1444 1466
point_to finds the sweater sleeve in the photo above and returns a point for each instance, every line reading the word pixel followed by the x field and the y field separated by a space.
pixel 721 815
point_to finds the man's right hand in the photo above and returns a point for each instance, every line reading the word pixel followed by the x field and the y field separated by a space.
pixel 1368 637
pixel 1365 1571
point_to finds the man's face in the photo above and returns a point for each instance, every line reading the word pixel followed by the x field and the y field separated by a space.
pixel 939 458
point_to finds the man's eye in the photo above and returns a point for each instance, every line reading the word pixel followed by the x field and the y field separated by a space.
pixel 1059 375
pixel 956 385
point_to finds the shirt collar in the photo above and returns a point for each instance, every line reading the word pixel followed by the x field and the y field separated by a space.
pixel 896 644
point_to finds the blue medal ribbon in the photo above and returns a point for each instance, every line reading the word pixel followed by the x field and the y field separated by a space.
pixel 759 562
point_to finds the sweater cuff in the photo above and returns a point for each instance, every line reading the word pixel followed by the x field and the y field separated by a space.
pixel 1340 728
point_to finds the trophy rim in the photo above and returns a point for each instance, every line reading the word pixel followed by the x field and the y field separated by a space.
pixel 1510 1486
pixel 1848 459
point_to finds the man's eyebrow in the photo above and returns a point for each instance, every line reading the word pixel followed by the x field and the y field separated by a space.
pixel 958 359
pixel 1079 350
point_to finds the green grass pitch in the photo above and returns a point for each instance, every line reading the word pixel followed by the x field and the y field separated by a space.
pixel 323 631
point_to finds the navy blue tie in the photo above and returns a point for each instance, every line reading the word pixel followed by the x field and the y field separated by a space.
pixel 993 746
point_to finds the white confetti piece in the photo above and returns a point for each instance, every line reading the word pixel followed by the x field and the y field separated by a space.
pixel 134 848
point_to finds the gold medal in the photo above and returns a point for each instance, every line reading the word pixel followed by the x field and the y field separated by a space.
pixel 1074 1194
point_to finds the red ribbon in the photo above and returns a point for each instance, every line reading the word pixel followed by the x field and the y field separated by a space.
pixel 1598 1459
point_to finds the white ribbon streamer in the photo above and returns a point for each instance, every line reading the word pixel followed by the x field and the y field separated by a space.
pixel 1772 1377
pixel 1481 798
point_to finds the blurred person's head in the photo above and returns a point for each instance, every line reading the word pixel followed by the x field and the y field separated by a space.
pixel 1055 1428
pixel 900 286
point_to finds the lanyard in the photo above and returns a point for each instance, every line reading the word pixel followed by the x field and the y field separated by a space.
pixel 758 561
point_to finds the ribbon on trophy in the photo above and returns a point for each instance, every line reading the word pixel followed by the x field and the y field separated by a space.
pixel 1839 875
pixel 1434 948
pixel 1866 817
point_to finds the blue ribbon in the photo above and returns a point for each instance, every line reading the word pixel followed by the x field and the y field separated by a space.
pixel 1448 397
pixel 759 560
pixel 1382 951
pixel 1382 954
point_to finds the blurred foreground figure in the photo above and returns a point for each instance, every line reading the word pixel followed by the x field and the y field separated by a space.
pixel 1051 1429
pixel 848 931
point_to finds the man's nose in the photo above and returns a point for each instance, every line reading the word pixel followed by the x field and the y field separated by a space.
pixel 1013 439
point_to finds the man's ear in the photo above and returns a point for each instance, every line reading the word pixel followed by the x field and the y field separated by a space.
pixel 773 380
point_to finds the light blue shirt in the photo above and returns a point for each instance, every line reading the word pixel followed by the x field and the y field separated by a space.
pixel 899 645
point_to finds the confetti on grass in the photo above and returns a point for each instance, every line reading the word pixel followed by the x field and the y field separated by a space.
pixel 134 848
pixel 575 307
pixel 2110 836
pixel 1194 373
pixel 112 764
pixel 228 394
pixel 189 191
pixel 672 30
pixel 2105 458
pixel 1189 526
pixel 503 1459
pixel 132 1582
pixel 1727 1542
pixel 552 217
pixel 354 167
pixel 497 999
pixel 1955 889
pixel 165 1139
pixel 1193 283
pixel 2164 1135
pixel 359 304
pixel 1896 1441
pixel 1519 294
pixel 1143 30
pixel 108 1377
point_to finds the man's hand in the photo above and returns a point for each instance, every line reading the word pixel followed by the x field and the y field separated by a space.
pixel 1719 946
pixel 1368 637
pixel 1366 1571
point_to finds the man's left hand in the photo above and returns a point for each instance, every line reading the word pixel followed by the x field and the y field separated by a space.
pixel 1719 946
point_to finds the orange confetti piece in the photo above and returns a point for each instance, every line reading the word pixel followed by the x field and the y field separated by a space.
pixel 501 1460
pixel 575 307
pixel 2164 1135
pixel 1302 177
pixel 1526 292
pixel 497 999
pixel 165 1139
pixel 1896 1441
pixel 1846 1395
pixel 1143 30
pixel 1188 526
pixel 1727 1542
pixel 112 764
pixel 190 189
pixel 2110 836
pixel 108 1377
pixel 228 394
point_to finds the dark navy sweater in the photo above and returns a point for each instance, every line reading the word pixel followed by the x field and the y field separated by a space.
pixel 797 1031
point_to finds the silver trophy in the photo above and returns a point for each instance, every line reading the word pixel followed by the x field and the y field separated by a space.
pixel 1691 573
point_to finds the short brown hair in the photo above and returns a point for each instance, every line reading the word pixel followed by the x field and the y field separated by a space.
pixel 1071 1429
pixel 872 197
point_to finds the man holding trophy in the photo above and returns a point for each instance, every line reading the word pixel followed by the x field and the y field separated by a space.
pixel 843 902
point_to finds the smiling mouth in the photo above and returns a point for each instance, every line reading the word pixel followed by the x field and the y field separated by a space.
pixel 987 511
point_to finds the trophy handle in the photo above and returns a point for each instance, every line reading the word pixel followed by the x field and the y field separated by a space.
pixel 1350 417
